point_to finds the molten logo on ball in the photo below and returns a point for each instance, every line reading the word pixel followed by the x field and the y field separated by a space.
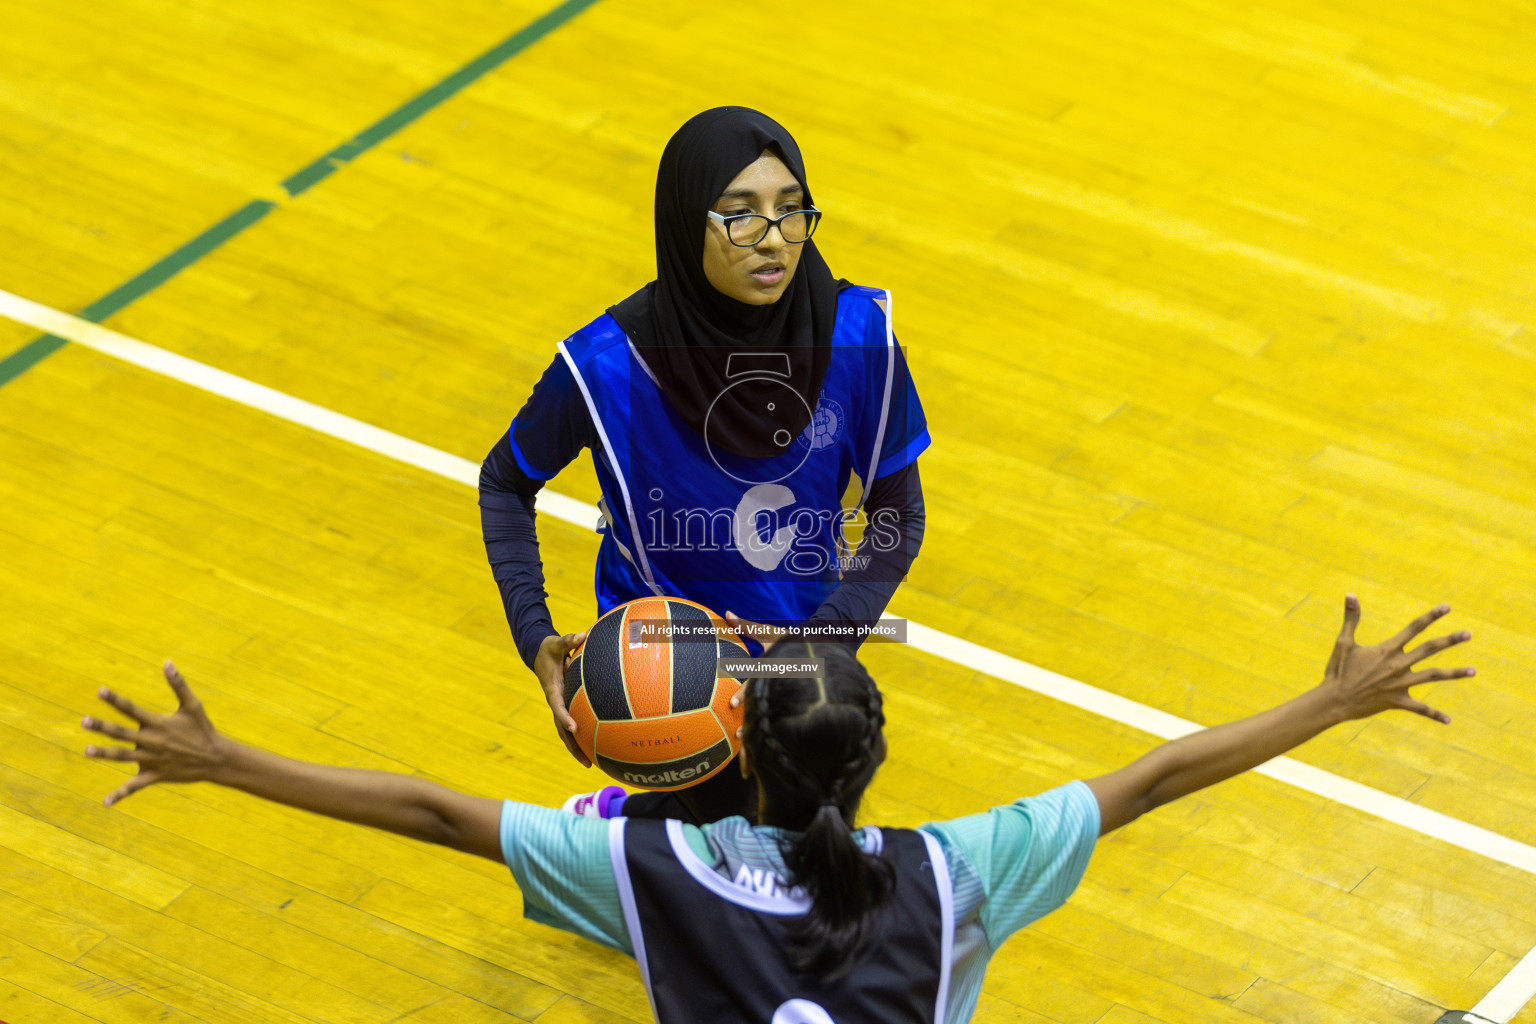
pixel 667 777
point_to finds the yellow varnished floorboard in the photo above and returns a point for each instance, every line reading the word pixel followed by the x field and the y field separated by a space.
pixel 1216 312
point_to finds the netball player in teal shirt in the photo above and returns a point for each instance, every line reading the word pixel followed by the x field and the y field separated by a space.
pixel 802 919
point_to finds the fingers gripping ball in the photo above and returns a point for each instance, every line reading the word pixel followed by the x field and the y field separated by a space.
pixel 649 708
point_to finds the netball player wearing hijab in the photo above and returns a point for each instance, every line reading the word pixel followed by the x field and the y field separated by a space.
pixel 801 919
pixel 727 405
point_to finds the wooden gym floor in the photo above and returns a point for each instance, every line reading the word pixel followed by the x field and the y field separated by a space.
pixel 1218 311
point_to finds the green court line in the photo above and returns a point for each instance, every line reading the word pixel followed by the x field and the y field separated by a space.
pixel 163 270
pixel 35 351
pixel 28 356
pixel 469 73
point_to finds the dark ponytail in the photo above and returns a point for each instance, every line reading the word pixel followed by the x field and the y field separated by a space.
pixel 815 743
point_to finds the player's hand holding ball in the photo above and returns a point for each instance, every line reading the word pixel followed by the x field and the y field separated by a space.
pixel 763 634
pixel 549 665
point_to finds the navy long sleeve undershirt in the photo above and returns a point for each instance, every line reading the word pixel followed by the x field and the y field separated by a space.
pixel 507 501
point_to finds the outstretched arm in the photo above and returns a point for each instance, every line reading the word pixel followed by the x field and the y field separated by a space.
pixel 1358 682
pixel 185 747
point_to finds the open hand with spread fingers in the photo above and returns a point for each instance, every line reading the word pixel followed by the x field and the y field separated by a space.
pixel 1358 682
pixel 185 747
pixel 179 747
pixel 1368 680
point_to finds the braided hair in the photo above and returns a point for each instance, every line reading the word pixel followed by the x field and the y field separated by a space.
pixel 815 743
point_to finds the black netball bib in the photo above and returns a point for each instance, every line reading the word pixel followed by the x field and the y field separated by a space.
pixel 713 949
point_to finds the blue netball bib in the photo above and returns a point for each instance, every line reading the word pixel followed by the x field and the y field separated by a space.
pixel 760 537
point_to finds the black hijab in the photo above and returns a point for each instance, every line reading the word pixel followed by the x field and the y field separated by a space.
pixel 686 331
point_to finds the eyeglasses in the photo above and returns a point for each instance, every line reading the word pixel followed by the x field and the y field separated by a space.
pixel 747 229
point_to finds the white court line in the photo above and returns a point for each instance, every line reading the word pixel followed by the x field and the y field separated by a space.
pixel 1507 998
pixel 1501 1004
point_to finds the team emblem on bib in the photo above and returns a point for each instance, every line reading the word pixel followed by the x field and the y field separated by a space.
pixel 826 426
pixel 801 1011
